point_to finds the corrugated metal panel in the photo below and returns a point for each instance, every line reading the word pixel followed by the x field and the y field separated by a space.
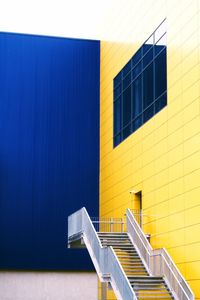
pixel 49 147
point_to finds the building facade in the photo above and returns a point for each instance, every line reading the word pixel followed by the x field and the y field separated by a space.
pixel 161 159
pixel 49 89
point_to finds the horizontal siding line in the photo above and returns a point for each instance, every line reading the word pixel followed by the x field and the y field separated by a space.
pixel 184 140
pixel 155 174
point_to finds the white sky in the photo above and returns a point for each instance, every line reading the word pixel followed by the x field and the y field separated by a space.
pixel 75 18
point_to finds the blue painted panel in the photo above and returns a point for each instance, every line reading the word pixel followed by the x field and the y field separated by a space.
pixel 49 147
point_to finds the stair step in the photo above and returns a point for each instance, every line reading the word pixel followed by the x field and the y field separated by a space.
pixel 111 232
pixel 127 259
pixel 133 267
pixel 114 237
pixel 142 281
pixel 161 292
pixel 132 262
pixel 148 277
pixel 132 256
pixel 124 243
pixel 115 244
pixel 107 234
pixel 145 286
pixel 142 270
pixel 136 273
pixel 117 238
pixel 150 288
pixel 127 254
pixel 125 251
pixel 135 270
pixel 145 279
pixel 154 297
pixel 124 248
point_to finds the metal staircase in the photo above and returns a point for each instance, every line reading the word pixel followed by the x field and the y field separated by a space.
pixel 144 285
pixel 125 251
pixel 126 259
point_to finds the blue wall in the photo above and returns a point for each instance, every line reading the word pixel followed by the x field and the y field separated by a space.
pixel 49 147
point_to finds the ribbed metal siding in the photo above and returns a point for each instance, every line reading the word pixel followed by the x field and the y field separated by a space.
pixel 49 147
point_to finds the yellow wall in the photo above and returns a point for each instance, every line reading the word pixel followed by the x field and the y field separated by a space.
pixel 162 158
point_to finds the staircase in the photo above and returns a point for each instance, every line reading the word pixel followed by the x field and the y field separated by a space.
pixel 144 285
pixel 126 260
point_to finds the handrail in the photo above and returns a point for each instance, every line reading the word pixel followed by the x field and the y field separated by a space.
pixel 158 261
pixel 108 224
pixel 118 277
pixel 105 261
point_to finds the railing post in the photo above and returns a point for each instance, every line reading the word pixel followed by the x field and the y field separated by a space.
pixel 111 224
pixel 140 213
pixel 103 290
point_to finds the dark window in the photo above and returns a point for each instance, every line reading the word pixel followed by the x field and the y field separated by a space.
pixel 137 123
pixel 147 59
pixel 127 81
pixel 126 106
pixel 160 74
pixel 126 131
pixel 137 97
pixel 117 139
pixel 148 113
pixel 140 88
pixel 148 86
pixel 127 68
pixel 117 116
pixel 137 70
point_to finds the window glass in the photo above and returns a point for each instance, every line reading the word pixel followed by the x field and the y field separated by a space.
pixel 146 48
pixel 148 86
pixel 137 57
pixel 140 88
pixel 117 116
pixel 137 70
pixel 137 97
pixel 148 113
pixel 137 123
pixel 127 68
pixel 127 81
pixel 126 131
pixel 147 59
pixel 160 74
pixel 161 102
pixel 117 91
pixel 117 80
pixel 127 106
pixel 117 140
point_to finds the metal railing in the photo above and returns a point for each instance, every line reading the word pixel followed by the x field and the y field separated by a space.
pixel 158 261
pixel 109 224
pixel 138 216
pixel 105 261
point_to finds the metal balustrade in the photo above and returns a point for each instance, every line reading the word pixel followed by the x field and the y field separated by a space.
pixel 138 215
pixel 158 261
pixel 107 260
pixel 108 224
pixel 104 259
